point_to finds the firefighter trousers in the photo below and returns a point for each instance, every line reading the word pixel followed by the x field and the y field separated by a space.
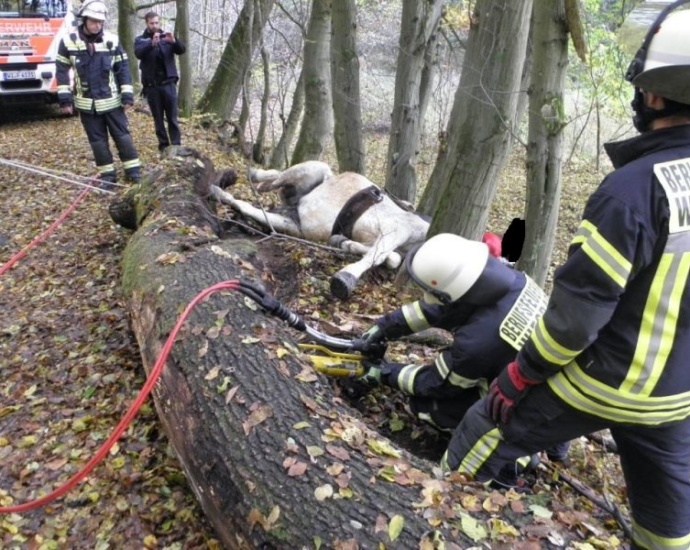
pixel 655 459
pixel 162 100
pixel 97 128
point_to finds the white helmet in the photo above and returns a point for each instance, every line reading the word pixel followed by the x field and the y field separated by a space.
pixel 662 65
pixel 446 266
pixel 94 9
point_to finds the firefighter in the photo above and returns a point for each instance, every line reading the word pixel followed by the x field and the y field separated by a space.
pixel 612 349
pixel 489 308
pixel 156 49
pixel 102 91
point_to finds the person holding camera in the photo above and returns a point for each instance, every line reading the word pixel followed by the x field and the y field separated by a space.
pixel 156 49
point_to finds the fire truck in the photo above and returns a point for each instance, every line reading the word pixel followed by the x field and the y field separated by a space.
pixel 30 32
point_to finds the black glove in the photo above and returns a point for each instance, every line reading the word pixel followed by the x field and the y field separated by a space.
pixel 372 343
pixel 505 392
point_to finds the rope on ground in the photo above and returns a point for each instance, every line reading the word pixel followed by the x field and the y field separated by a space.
pixel 82 181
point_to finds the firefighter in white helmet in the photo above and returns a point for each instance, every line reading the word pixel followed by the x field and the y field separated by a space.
pixel 102 90
pixel 611 350
pixel 490 309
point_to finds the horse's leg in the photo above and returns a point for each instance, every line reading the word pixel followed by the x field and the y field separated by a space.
pixel 344 282
pixel 304 175
pixel 279 223
pixel 258 175
pixel 393 260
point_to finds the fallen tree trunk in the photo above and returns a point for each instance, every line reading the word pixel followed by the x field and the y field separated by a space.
pixel 274 457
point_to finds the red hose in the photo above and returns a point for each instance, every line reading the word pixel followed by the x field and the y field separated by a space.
pixel 131 412
pixel 53 226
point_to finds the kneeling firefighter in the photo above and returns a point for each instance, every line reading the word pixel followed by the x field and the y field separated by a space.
pixel 489 307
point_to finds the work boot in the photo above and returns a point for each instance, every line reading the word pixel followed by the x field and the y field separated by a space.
pixel 107 181
pixel 134 177
pixel 511 476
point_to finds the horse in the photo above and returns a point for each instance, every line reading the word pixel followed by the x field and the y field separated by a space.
pixel 345 210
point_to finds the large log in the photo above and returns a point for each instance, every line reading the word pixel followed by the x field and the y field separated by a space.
pixel 274 457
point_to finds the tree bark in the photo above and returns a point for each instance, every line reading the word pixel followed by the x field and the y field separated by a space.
pixel 347 107
pixel 281 153
pixel 317 122
pixel 127 21
pixel 186 91
pixel 262 439
pixel 481 122
pixel 545 143
pixel 226 85
pixel 417 39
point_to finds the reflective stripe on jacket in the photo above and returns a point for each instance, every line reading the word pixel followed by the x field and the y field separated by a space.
pixel 615 339
pixel 102 81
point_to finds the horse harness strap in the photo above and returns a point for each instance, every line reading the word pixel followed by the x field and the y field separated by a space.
pixel 353 209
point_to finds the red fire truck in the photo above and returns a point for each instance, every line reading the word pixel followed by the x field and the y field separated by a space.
pixel 30 32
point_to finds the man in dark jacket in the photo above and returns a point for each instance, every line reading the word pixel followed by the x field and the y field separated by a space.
pixel 612 349
pixel 489 307
pixel 156 50
pixel 102 90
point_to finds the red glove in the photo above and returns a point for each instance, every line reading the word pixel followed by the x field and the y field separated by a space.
pixel 505 392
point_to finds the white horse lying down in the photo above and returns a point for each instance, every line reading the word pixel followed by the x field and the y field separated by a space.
pixel 345 210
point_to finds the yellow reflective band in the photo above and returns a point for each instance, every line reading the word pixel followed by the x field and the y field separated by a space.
pixel 407 376
pixel 602 253
pixel 645 538
pixel 131 163
pixel 127 89
pixel 63 59
pixel 463 382
pixel 480 452
pixel 548 348
pixel 658 326
pixel 415 317
pixel 441 366
pixel 592 396
pixel 64 89
pixel 106 168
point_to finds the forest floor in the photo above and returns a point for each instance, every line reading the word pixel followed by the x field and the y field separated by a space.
pixel 70 365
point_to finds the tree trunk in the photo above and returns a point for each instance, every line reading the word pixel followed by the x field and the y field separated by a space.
pixel 417 38
pixel 258 148
pixel 481 121
pixel 274 457
pixel 317 120
pixel 127 21
pixel 347 109
pixel 545 148
pixel 226 85
pixel 281 153
pixel 186 91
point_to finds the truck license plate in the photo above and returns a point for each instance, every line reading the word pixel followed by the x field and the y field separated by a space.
pixel 19 75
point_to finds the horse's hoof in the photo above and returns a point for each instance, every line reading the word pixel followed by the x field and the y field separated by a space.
pixel 337 240
pixel 342 285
